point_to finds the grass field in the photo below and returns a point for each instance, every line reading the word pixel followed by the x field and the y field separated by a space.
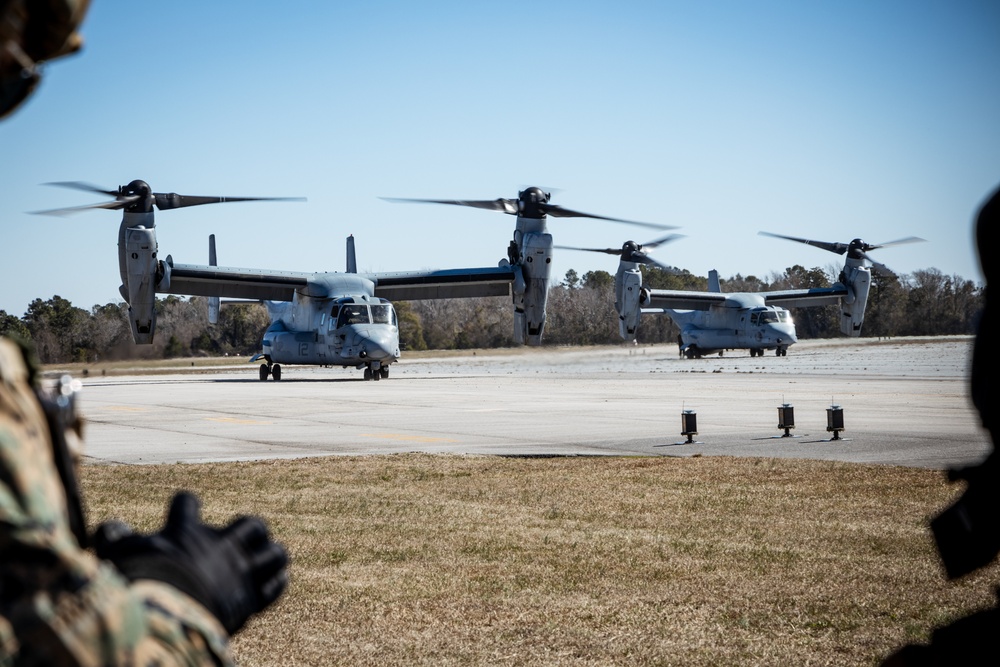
pixel 446 560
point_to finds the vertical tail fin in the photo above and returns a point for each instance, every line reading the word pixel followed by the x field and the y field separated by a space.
pixel 352 260
pixel 213 301
pixel 713 281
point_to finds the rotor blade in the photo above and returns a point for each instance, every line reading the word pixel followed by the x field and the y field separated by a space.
pixel 646 259
pixel 878 267
pixel 112 205
pixel 503 205
pixel 167 201
pixel 881 269
pixel 839 248
pixel 606 251
pixel 559 212
pixel 669 238
pixel 908 239
pixel 86 187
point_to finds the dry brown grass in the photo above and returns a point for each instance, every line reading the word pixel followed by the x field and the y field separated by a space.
pixel 444 560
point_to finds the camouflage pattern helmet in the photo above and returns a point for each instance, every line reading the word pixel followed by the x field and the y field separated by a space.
pixel 31 32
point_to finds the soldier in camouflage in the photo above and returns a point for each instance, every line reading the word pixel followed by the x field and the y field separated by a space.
pixel 171 598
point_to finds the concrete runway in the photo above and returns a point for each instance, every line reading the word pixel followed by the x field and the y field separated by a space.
pixel 904 400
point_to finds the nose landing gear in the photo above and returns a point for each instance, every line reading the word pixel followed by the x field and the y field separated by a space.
pixel 376 373
pixel 274 370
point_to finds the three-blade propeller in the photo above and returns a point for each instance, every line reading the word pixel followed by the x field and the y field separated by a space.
pixel 856 249
pixel 634 252
pixel 531 202
pixel 137 196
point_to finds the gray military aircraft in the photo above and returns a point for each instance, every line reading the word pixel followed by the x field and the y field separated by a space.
pixel 328 318
pixel 714 321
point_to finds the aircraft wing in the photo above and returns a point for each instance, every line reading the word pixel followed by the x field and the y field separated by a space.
pixel 443 284
pixel 231 283
pixel 690 300
pixel 804 298
pixel 684 299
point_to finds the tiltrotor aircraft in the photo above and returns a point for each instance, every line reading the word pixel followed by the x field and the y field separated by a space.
pixel 328 318
pixel 715 321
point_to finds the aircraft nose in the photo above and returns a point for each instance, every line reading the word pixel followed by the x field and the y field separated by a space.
pixel 380 346
pixel 783 334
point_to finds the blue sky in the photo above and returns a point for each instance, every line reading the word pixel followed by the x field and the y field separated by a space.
pixel 827 120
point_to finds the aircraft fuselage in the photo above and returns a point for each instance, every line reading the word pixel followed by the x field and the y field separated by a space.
pixel 736 325
pixel 321 327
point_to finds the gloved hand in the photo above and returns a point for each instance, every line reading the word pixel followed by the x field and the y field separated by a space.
pixel 968 532
pixel 234 572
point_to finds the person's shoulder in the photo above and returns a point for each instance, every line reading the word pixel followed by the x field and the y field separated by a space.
pixel 12 366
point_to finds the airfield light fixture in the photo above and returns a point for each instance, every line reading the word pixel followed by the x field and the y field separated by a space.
pixel 835 420
pixel 786 418
pixel 689 425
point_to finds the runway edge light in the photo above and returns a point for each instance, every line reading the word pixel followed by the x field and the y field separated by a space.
pixel 786 418
pixel 689 425
pixel 835 420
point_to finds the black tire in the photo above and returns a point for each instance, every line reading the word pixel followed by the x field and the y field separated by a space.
pixel 264 372
pixel 368 373
pixel 384 372
pixel 276 372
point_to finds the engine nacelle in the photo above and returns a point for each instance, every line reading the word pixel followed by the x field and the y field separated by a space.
pixel 628 303
pixel 139 290
pixel 535 262
pixel 858 281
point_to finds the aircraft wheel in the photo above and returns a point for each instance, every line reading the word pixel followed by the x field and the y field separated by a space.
pixel 276 372
pixel 264 372
pixel 376 374
pixel 384 372
pixel 368 373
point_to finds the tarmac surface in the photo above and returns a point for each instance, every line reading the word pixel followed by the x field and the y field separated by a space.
pixel 904 401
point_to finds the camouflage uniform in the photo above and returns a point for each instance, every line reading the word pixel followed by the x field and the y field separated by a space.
pixel 59 604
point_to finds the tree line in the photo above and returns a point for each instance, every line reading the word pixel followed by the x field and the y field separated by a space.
pixel 580 312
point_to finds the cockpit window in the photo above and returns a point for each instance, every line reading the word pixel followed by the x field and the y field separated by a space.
pixel 760 317
pixel 353 314
pixel 383 314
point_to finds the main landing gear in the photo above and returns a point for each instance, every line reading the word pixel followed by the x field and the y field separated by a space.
pixel 780 351
pixel 274 370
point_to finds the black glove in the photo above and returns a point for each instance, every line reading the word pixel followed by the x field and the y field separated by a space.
pixel 234 572
pixel 968 532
